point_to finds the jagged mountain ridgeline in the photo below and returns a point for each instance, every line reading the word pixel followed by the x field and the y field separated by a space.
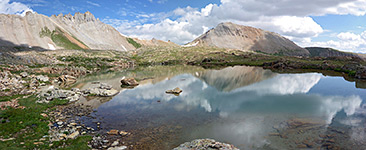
pixel 233 36
pixel 81 31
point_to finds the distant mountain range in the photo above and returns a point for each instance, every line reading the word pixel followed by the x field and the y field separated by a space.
pixel 84 31
pixel 81 31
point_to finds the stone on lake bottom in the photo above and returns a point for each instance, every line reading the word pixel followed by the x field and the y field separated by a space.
pixel 113 132
pixel 73 135
pixel 205 144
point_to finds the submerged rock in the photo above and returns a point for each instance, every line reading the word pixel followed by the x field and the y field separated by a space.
pixel 129 82
pixel 175 91
pixel 205 144
pixel 113 132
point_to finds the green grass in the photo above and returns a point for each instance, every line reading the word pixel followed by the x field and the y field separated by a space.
pixel 88 62
pixel 8 98
pixel 80 143
pixel 59 38
pixel 133 42
pixel 27 125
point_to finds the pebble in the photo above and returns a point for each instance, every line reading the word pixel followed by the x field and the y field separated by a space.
pixel 60 123
pixel 115 143
pixel 38 143
pixel 113 132
pixel 105 141
pixel 118 148
pixel 123 133
pixel 73 135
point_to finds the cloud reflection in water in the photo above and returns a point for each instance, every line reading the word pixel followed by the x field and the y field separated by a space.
pixel 247 112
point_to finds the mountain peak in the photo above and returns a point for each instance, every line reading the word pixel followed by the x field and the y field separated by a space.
pixel 246 38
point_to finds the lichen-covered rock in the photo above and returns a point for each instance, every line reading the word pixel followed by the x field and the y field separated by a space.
pixel 205 144
pixel 67 79
pixel 101 89
pixel 11 84
pixel 42 78
pixel 54 93
pixel 24 74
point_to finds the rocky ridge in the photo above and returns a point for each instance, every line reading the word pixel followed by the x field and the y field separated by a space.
pixel 58 32
pixel 232 36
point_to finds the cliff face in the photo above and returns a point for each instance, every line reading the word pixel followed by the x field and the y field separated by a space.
pixel 81 31
pixel 233 36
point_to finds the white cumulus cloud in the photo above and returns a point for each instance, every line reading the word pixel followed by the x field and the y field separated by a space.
pixel 289 18
pixel 346 41
pixel 7 7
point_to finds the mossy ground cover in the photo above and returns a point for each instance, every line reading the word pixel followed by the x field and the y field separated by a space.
pixel 133 42
pixel 210 57
pixel 59 38
pixel 88 62
pixel 28 126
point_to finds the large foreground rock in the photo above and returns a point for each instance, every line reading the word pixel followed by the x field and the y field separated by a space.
pixel 205 144
pixel 66 79
pixel 55 93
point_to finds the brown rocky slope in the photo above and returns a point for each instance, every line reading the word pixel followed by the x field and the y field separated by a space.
pixel 81 31
pixel 233 36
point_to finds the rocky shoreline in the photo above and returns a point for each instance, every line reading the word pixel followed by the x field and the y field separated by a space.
pixel 52 83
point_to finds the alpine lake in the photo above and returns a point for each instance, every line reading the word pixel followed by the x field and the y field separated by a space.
pixel 249 107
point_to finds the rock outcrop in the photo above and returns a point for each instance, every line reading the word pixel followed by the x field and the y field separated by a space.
pixel 328 52
pixel 81 31
pixel 233 36
pixel 154 42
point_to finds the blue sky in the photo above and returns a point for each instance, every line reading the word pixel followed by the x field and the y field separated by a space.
pixel 339 24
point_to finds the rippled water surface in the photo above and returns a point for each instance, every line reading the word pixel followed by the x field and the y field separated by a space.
pixel 249 107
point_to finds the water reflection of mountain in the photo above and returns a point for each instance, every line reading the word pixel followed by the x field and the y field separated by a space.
pixel 146 75
pixel 231 78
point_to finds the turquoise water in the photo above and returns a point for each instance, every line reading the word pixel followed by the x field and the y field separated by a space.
pixel 249 107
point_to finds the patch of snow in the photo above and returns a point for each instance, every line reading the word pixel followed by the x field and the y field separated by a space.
pixel 51 47
pixel 191 45
pixel 123 47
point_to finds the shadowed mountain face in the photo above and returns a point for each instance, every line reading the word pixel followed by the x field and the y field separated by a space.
pixel 232 78
pixel 81 31
pixel 233 36
pixel 328 52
